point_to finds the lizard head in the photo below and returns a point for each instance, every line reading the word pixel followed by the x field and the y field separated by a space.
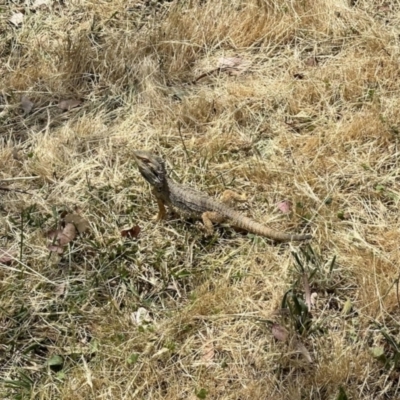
pixel 151 167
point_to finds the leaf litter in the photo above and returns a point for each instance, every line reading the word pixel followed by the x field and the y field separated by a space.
pixel 17 19
pixel 69 104
pixel 234 66
pixel 284 206
pixel 74 223
pixel 26 105
pixel 6 256
pixel 131 232
pixel 279 332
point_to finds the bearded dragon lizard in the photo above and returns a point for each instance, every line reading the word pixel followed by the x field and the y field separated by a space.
pixel 199 205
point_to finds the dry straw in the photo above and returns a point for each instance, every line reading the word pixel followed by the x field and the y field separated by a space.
pixel 302 108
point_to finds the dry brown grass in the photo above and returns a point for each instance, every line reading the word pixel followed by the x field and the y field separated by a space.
pixel 314 119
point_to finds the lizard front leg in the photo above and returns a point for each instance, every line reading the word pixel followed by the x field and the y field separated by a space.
pixel 162 212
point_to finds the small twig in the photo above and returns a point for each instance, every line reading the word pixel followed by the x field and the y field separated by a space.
pixel 22 237
pixel 183 142
pixel 13 190
pixel 212 72
pixel 307 291
pixel 88 182
pixel 20 178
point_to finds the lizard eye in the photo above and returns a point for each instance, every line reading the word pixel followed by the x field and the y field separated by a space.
pixel 145 160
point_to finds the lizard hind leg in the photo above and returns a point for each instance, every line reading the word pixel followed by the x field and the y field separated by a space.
pixel 208 218
pixel 229 197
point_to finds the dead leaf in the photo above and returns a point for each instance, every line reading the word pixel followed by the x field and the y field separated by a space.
pixel 233 65
pixel 6 256
pixel 61 238
pixel 284 206
pixel 78 210
pixel 17 19
pixel 55 249
pixel 26 105
pixel 141 317
pixel 299 346
pixel 230 62
pixel 314 297
pixel 60 289
pixel 80 223
pixel 279 332
pixel 68 234
pixel 131 232
pixel 208 353
pixel 52 235
pixel 15 154
pixel 67 105
pixel 311 61
pixel 41 3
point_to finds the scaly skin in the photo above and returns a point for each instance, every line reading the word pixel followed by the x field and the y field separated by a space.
pixel 199 205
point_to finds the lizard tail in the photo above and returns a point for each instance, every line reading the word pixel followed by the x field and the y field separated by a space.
pixel 242 222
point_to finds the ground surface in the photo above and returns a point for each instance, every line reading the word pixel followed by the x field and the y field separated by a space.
pixel 295 103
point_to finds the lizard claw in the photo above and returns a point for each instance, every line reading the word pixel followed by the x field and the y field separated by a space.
pixel 157 217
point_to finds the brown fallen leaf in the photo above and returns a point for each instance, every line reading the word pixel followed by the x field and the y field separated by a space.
pixel 311 61
pixel 78 210
pixel 15 154
pixel 26 105
pixel 81 224
pixel 6 256
pixel 55 248
pixel 67 105
pixel 17 19
pixel 61 238
pixel 208 353
pixel 60 289
pixel 230 62
pixel 131 232
pixel 284 206
pixel 279 332
pixel 299 346
pixel 54 235
pixel 68 234
pixel 233 65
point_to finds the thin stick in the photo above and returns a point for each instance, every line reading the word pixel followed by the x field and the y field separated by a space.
pixel 20 178
pixel 183 142
pixel 22 237
pixel 13 190
pixel 212 72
